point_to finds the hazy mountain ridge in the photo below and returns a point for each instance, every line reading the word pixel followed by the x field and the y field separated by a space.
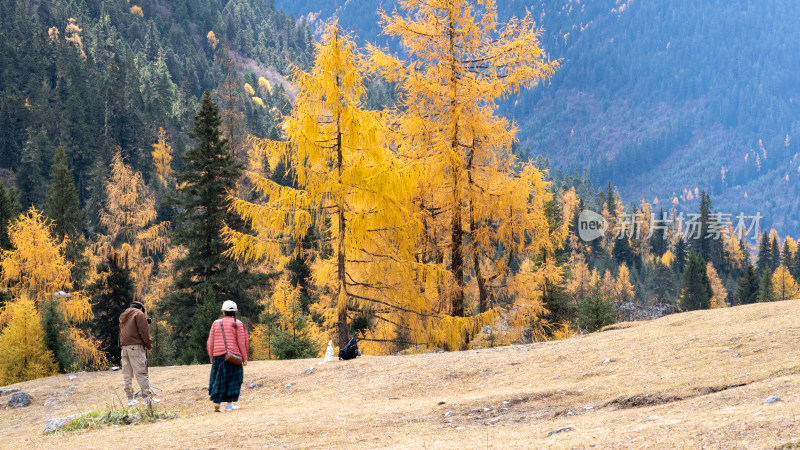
pixel 659 97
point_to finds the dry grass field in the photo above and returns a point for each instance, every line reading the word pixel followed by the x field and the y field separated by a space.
pixel 692 380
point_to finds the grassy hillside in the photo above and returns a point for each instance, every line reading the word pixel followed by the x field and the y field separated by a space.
pixel 687 380
pixel 658 97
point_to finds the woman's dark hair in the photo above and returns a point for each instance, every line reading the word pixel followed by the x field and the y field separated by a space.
pixel 230 314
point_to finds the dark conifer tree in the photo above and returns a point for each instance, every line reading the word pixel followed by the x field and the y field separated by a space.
pixel 787 258
pixel 111 296
pixel 766 289
pixel 795 266
pixel 9 208
pixel 680 255
pixel 748 286
pixel 205 277
pixel 775 253
pixel 658 241
pixel 696 291
pixel 764 260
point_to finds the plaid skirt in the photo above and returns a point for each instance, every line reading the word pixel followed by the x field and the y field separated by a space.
pixel 226 381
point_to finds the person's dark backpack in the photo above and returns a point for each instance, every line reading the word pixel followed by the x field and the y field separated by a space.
pixel 350 351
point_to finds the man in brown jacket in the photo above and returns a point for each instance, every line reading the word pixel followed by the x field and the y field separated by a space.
pixel 134 337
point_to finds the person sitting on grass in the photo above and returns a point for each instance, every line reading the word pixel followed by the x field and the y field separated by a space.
pixel 228 347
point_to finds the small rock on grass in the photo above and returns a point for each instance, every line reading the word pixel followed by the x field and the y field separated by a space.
pixel 607 361
pixel 309 371
pixel 560 430
pixel 252 385
pixel 8 391
pixel 772 399
pixel 19 399
pixel 70 389
pixel 288 385
pixel 57 424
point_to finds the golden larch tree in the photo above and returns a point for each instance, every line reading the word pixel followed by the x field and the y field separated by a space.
pixel 348 187
pixel 162 158
pixel 129 218
pixel 473 196
pixel 624 290
pixel 25 356
pixel 784 284
pixel 719 292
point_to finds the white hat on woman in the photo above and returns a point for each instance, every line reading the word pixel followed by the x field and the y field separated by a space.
pixel 229 305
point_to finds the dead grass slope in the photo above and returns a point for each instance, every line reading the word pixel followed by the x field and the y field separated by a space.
pixel 684 381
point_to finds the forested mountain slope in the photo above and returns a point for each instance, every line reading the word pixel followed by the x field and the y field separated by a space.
pixel 661 98
pixel 94 75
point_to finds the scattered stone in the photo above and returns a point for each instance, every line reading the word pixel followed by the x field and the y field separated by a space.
pixel 252 385
pixel 772 399
pixel 204 388
pixel 56 424
pixel 179 391
pixel 588 407
pixel 19 399
pixel 460 428
pixel 288 385
pixel 8 391
pixel 441 402
pixel 475 410
pixel 560 430
pixel 115 368
pixel 309 371
pixel 487 329
pixel 70 389
pixel 71 377
pixel 496 419
pixel 505 402
pixel 726 350
pixel 735 355
pixel 448 413
pixel 607 361
pixel 631 312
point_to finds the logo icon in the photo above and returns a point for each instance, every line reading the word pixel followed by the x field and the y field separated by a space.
pixel 591 225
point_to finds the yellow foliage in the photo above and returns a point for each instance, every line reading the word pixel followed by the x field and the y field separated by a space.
pixel 212 40
pixel 460 62
pixel 137 11
pixel 568 204
pixel 258 101
pixel 265 86
pixel 718 290
pixel 349 186
pixel 72 34
pixel 667 258
pixel 162 157
pixel 784 284
pixel 249 90
pixel 581 279
pixel 35 265
pixel 160 285
pixel 24 354
pixel 623 289
pixel 128 216
pixel 53 33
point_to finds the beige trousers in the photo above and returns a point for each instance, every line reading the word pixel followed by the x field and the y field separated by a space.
pixel 134 362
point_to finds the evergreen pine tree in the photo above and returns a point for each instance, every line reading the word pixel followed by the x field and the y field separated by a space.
pixel 163 353
pixel 62 206
pixel 775 253
pixel 666 284
pixel 658 241
pixel 112 294
pixel 764 260
pixel 787 258
pixel 297 343
pixel 766 289
pixel 596 310
pixel 205 277
pixel 794 268
pixel 62 200
pixel 9 208
pixel 55 326
pixel 696 291
pixel 748 286
pixel 680 252
pixel 622 251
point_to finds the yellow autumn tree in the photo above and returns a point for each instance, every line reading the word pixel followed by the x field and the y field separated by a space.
pixel 34 269
pixel 348 187
pixel 212 40
pixel 784 284
pixel 136 10
pixel 25 356
pixel 719 293
pixel 72 34
pixel 473 196
pixel 162 158
pixel 129 218
pixel 623 288
pixel 581 278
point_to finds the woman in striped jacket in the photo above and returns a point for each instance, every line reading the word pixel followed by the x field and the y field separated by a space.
pixel 226 379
